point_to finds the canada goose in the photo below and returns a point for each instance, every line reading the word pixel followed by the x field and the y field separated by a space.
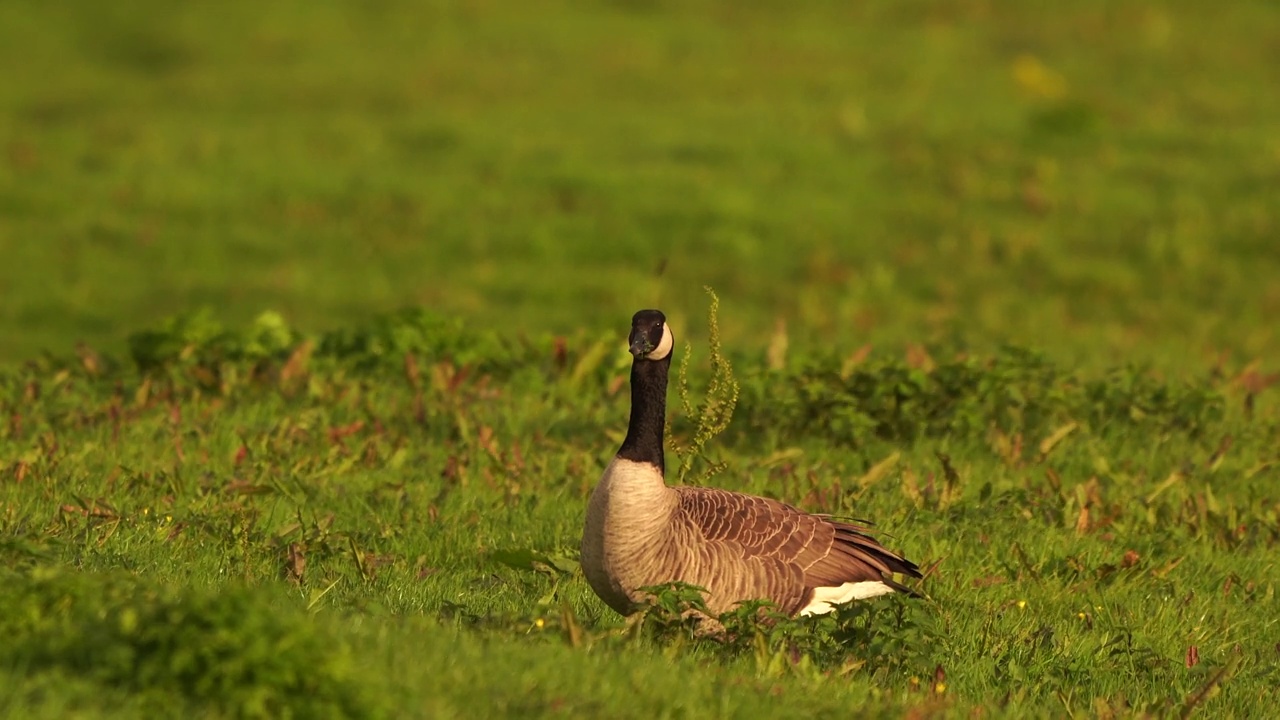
pixel 640 532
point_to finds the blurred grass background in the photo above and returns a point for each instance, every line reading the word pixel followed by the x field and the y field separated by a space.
pixel 1097 179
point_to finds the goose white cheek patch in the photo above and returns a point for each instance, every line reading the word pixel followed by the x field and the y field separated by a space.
pixel 664 345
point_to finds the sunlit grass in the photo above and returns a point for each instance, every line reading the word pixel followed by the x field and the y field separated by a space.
pixel 303 502
pixel 1091 541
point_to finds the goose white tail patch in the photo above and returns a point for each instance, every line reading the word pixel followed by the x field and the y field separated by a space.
pixel 664 345
pixel 826 598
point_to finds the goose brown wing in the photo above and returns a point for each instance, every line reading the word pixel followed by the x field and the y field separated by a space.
pixel 825 552
pixel 744 548
pixel 757 526
pixel 855 556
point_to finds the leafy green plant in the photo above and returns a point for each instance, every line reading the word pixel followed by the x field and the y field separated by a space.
pixel 673 611
pixel 713 413
pixel 1016 391
pixel 198 338
pixel 427 335
pixel 231 649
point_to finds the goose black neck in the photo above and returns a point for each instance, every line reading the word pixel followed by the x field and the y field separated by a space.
pixel 648 412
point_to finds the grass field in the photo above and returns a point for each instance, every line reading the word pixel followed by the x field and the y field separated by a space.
pixel 311 321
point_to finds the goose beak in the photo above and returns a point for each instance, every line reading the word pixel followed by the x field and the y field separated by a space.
pixel 640 345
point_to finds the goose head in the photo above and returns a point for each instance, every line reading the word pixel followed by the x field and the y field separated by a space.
pixel 650 338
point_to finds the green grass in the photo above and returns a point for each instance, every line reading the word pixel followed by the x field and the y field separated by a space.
pixel 302 502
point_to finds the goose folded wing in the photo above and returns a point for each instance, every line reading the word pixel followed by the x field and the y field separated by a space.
pixel 827 552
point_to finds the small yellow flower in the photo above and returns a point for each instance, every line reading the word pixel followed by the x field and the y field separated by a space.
pixel 940 688
pixel 1080 615
pixel 1022 604
pixel 539 623
pixel 1037 79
